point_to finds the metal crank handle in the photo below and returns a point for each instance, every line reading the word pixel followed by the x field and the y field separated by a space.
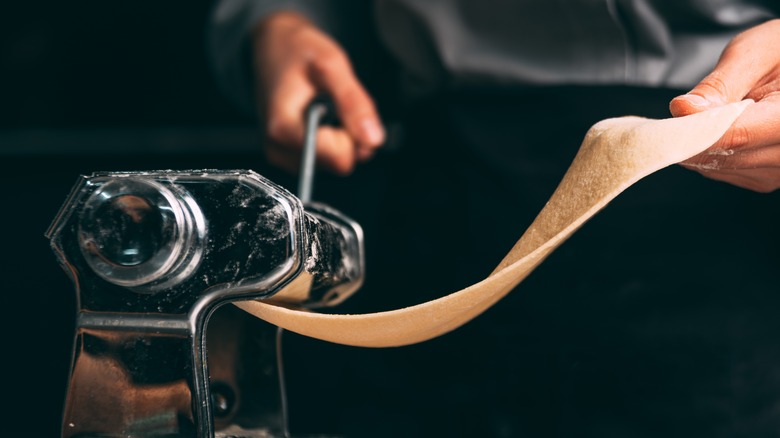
pixel 151 256
pixel 321 111
pixel 316 113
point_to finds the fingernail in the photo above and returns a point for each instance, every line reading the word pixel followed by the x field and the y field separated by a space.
pixel 373 131
pixel 696 100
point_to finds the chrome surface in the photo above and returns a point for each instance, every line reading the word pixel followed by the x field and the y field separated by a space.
pixel 153 257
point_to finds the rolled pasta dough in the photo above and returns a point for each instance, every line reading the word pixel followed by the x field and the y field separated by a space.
pixel 614 154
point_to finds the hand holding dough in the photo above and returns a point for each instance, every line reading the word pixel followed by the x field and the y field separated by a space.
pixel 615 154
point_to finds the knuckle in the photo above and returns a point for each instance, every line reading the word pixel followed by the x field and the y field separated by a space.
pixel 737 135
pixel 715 82
pixel 329 64
pixel 355 107
pixel 352 96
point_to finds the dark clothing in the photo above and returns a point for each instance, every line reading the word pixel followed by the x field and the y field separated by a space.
pixel 450 45
pixel 657 318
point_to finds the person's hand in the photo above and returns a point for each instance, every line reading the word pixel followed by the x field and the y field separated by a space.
pixel 748 155
pixel 294 62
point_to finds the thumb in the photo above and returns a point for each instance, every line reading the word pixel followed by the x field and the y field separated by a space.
pixel 736 74
pixel 693 102
pixel 714 90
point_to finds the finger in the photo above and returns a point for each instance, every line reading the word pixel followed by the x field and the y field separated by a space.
pixel 287 101
pixel 354 106
pixel 765 157
pixel 760 180
pixel 740 70
pixel 748 155
pixel 757 127
pixel 335 150
pixel 283 158
pixel 756 184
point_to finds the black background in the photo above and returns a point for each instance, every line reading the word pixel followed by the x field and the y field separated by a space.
pixel 95 64
pixel 103 86
pixel 95 86
pixel 89 86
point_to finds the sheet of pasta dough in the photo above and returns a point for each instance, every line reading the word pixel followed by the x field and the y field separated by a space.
pixel 614 154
